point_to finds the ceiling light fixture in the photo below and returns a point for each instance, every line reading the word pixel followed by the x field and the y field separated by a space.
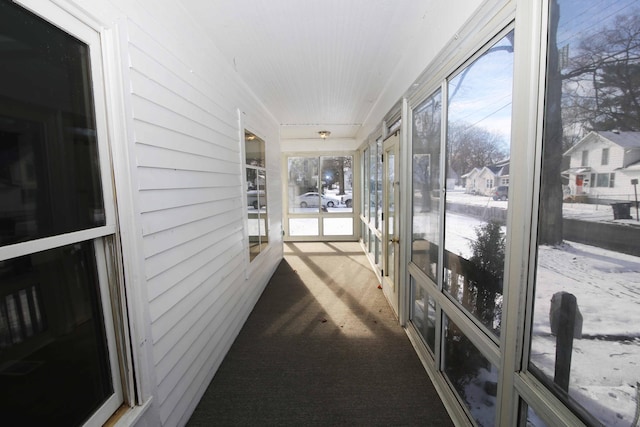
pixel 324 134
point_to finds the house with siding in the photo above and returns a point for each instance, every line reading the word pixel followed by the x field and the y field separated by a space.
pixel 485 179
pixel 603 164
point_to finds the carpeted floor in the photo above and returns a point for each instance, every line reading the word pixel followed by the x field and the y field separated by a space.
pixel 321 348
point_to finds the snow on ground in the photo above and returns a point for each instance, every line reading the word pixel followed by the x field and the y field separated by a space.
pixel 605 363
pixel 606 284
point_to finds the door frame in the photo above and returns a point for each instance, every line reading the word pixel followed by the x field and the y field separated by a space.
pixel 390 228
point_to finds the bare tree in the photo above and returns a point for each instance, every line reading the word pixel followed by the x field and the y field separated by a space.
pixel 592 86
pixel 470 147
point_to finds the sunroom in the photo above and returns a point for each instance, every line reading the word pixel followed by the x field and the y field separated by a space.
pixel 157 156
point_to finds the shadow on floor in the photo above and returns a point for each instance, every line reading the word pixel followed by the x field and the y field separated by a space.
pixel 322 347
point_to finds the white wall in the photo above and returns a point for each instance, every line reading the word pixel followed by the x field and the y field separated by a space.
pixel 438 29
pixel 312 145
pixel 173 106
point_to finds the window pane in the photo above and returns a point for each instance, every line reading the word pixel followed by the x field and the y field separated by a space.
pixel 49 169
pixel 304 227
pixel 586 322
pixel 364 203
pixel 337 226
pixel 337 184
pixel 423 314
pixel 254 150
pixel 471 374
pixel 258 224
pixel 478 140
pixel 529 417
pixel 426 185
pixel 54 367
pixel 374 200
pixel 379 184
pixel 303 195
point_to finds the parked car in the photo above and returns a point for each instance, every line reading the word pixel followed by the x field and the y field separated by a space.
pixel 347 200
pixel 312 198
pixel 500 193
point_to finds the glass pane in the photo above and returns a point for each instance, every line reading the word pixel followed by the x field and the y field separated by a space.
pixel 478 140
pixel 471 374
pixel 337 183
pixel 54 368
pixel 303 195
pixel 423 314
pixel 257 200
pixel 304 227
pixel 586 322
pixel 374 164
pixel 379 180
pixel 364 202
pixel 390 220
pixel 426 184
pixel 254 148
pixel 528 416
pixel 337 226
pixel 49 169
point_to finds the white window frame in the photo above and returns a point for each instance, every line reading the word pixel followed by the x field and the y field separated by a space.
pixel 108 256
pixel 320 215
pixel 605 157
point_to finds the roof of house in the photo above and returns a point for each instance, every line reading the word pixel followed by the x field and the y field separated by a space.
pixel 622 139
pixel 501 169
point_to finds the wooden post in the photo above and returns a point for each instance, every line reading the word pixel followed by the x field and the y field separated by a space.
pixel 564 340
pixel 634 182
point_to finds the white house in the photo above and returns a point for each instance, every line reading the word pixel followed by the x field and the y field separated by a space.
pixel 603 164
pixel 483 180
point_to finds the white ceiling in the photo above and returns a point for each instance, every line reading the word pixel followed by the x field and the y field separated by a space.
pixel 315 64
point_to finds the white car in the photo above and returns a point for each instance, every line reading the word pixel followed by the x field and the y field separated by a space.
pixel 312 198
pixel 347 200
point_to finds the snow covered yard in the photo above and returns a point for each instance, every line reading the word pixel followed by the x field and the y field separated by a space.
pixel 605 362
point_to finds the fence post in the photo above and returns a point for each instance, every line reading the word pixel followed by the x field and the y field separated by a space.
pixel 564 340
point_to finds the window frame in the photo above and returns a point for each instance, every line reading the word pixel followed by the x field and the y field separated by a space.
pixel 604 160
pixel 320 215
pixel 491 347
pixel 106 238
pixel 258 169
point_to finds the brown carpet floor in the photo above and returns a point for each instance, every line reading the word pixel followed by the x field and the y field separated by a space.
pixel 322 347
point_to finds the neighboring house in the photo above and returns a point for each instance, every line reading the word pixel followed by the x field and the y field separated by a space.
pixel 483 180
pixel 602 165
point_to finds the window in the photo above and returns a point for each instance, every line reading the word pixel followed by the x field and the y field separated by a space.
pixel 478 136
pixel 473 377
pixel 426 185
pixel 604 180
pixel 585 158
pixel 605 156
pixel 585 318
pixel 458 245
pixel 256 179
pixel 58 357
pixel 319 194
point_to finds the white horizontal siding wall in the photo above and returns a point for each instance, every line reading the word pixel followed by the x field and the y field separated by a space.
pixel 187 149
pixel 187 207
